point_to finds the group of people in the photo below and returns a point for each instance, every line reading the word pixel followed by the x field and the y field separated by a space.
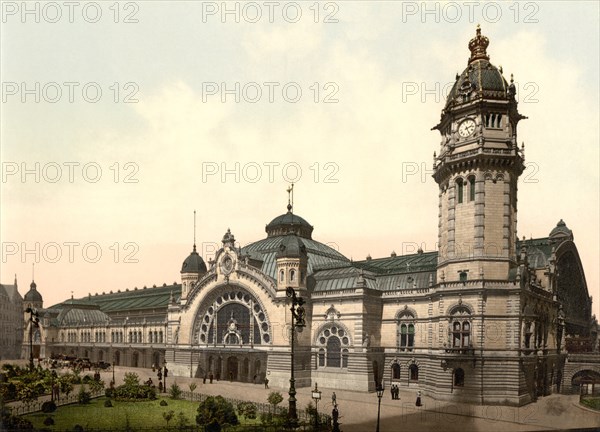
pixel 395 391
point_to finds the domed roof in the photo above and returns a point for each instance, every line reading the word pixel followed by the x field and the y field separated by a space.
pixel 289 223
pixel 33 295
pixel 193 263
pixel 81 315
pixel 480 78
pixel 561 230
pixel 291 247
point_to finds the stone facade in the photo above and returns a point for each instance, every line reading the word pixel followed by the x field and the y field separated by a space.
pixel 11 324
pixel 486 319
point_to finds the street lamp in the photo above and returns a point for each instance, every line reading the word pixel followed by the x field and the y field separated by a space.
pixel 298 315
pixel 165 376
pixel 316 395
pixel 33 321
pixel 379 396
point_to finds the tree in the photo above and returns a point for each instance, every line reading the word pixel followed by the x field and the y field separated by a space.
pixel 193 387
pixel 275 399
pixel 175 391
pixel 168 416
pixel 215 412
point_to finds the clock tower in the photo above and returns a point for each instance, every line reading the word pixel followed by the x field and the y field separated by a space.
pixel 477 169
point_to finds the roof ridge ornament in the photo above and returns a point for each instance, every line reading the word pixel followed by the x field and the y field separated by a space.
pixel 478 46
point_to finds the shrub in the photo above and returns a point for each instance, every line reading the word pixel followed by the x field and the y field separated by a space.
pixel 87 379
pixel 215 412
pixel 247 409
pixel 78 428
pixel 175 391
pixel 48 407
pixel 108 403
pixel 48 421
pixel 163 403
pixel 84 396
pixel 109 392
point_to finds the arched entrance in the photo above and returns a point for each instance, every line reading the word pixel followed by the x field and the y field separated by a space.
pixel 156 359
pixel 117 358
pixel 232 368
pixel 587 380
pixel 135 359
pixel 246 370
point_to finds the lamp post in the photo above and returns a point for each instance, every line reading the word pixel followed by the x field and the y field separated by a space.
pixel 33 321
pixel 298 315
pixel 316 395
pixel 379 396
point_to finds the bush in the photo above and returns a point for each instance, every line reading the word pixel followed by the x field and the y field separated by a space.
pixel 175 391
pixel 247 409
pixel 48 407
pixel 108 403
pixel 84 396
pixel 78 428
pixel 163 403
pixel 109 392
pixel 48 421
pixel 215 412
pixel 87 379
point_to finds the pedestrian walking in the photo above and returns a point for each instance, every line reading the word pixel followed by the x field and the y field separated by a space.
pixel 266 382
pixel 204 379
pixel 211 376
pixel 418 403
pixel 333 399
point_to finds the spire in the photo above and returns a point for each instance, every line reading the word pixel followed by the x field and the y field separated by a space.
pixel 194 230
pixel 15 280
pixel 290 191
pixel 478 45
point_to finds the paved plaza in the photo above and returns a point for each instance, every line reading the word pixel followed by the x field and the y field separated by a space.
pixel 358 410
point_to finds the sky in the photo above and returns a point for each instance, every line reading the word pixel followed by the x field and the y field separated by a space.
pixel 119 119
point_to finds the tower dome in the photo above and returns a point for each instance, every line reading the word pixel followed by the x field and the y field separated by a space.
pixel 291 247
pixel 480 79
pixel 33 294
pixel 193 263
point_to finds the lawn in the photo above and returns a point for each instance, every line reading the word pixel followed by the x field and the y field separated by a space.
pixel 96 416
pixel 593 403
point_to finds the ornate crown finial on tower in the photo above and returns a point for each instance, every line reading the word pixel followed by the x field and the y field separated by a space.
pixel 477 46
pixel 290 191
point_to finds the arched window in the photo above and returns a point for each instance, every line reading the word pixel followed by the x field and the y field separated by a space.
pixel 396 371
pixel 414 372
pixel 160 337
pixel 459 190
pixel 345 358
pixel 334 351
pixel 292 275
pixel 472 188
pixel 281 276
pixel 460 327
pixel 459 377
pixel 406 330
pixel 463 276
pixel 333 342
pixel 528 333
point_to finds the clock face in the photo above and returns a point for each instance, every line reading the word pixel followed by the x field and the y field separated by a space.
pixel 466 128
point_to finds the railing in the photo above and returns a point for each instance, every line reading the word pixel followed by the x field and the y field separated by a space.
pixel 35 406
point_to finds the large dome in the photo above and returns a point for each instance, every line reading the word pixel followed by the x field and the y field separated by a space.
pixel 278 230
pixel 480 79
pixel 289 223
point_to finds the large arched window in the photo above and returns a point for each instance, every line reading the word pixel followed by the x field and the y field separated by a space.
pixel 472 188
pixel 333 344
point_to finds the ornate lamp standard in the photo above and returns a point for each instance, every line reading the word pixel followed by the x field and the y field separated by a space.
pixel 316 395
pixel 33 321
pixel 298 315
pixel 379 396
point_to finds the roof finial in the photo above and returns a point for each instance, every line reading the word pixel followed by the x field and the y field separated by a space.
pixel 32 272
pixel 478 45
pixel 194 230
pixel 290 191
